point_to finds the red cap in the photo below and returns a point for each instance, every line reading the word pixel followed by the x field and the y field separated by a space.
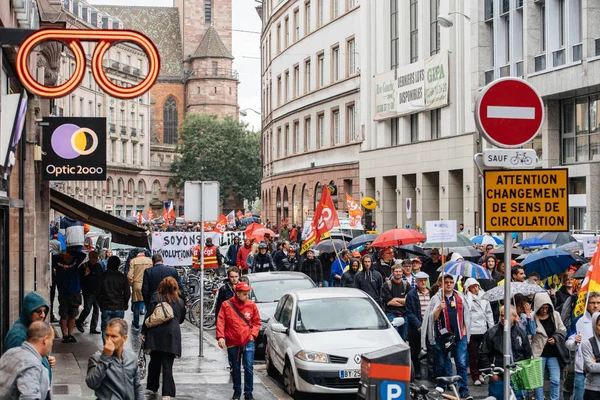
pixel 242 287
pixel 417 259
pixel 513 263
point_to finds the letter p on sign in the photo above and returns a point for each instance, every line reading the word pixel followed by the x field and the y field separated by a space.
pixel 390 390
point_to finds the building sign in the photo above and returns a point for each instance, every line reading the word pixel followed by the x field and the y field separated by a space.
pixel 74 149
pixel 422 85
pixel 441 231
pixel 104 39
pixel 526 200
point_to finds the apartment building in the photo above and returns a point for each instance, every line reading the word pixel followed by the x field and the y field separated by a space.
pixel 311 80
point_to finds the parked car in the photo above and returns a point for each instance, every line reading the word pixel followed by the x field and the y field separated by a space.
pixel 316 338
pixel 267 289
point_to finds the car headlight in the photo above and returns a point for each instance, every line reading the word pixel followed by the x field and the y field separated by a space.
pixel 312 356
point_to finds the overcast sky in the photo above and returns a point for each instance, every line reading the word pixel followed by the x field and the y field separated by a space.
pixel 246 49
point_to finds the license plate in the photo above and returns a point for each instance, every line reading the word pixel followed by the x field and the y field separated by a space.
pixel 350 374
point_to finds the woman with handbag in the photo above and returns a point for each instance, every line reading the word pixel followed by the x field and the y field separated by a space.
pixel 162 336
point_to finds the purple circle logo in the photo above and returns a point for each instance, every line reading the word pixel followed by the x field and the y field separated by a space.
pixel 70 141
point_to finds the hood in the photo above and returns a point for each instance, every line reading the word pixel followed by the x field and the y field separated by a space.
pixel 595 319
pixel 31 302
pixel 470 282
pixel 336 342
pixel 456 257
pixel 539 300
pixel 247 243
pixel 266 310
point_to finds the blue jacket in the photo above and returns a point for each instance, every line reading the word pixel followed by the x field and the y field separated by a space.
pixel 18 332
pixel 153 276
pixel 232 254
pixel 67 275
pixel 337 268
pixel 413 310
pixel 74 231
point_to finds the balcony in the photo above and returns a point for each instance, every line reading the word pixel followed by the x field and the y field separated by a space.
pixel 558 58
pixel 217 73
pixel 112 128
pixel 577 52
pixel 136 71
pixel 123 130
pixel 540 62
pixel 133 131
pixel 115 64
pixel 126 68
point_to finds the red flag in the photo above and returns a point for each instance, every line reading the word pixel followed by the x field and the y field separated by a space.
pixel 207 227
pixel 140 218
pixel 326 216
pixel 220 226
pixel 354 211
pixel 591 283
pixel 149 215
pixel 239 214
pixel 165 214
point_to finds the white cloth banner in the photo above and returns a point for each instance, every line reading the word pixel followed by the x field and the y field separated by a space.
pixel 441 231
pixel 176 247
pixel 589 246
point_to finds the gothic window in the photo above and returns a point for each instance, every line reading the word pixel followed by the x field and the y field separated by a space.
pixel 207 11
pixel 170 120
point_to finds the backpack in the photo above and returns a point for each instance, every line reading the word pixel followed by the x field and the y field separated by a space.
pixel 405 284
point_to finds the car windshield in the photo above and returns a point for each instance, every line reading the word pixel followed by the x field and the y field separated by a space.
pixel 271 291
pixel 338 314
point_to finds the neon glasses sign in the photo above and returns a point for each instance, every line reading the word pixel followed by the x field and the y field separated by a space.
pixel 73 38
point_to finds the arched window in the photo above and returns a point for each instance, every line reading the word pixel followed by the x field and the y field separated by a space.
pixel 208 11
pixel 120 185
pixel 170 121
pixel 130 188
pixel 141 188
pixel 109 187
pixel 155 189
pixel 170 192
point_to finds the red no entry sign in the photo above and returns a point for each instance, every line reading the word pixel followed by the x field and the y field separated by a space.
pixel 509 112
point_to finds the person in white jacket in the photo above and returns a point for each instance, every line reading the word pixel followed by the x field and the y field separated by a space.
pixel 584 330
pixel 482 319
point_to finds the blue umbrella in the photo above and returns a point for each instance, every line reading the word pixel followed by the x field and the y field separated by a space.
pixel 547 262
pixel 361 240
pixel 483 239
pixel 534 241
pixel 466 268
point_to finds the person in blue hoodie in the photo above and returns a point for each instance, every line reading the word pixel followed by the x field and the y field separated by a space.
pixel 34 308
pixel 65 267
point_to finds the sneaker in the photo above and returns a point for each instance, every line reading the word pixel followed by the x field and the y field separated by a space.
pixel 477 382
pixel 65 339
pixel 236 396
pixel 95 332
pixel 79 327
pixel 248 396
pixel 72 339
pixel 142 312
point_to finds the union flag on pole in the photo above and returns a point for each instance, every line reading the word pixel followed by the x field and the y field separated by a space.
pixel 221 224
pixel 309 240
pixel 591 283
pixel 169 212
pixel 140 217
pixel 354 211
pixel 326 216
pixel 149 215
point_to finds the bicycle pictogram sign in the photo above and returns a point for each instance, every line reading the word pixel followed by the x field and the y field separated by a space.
pixel 73 38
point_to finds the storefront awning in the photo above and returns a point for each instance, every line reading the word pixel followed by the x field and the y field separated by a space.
pixel 122 231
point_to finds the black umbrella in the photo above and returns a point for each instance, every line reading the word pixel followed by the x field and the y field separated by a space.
pixel 413 249
pixel 581 272
pixel 558 238
pixel 362 239
pixel 327 246
pixel 514 252
pixel 579 259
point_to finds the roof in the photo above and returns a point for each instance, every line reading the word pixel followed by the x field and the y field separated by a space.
pixel 275 276
pixel 211 46
pixel 328 293
pixel 161 25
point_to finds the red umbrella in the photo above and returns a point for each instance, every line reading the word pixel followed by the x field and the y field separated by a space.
pixel 259 234
pixel 252 227
pixel 398 237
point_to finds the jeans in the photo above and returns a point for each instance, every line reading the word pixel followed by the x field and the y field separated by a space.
pixel 579 386
pixel 325 283
pixel 237 355
pixel 89 305
pixel 136 307
pixel 496 389
pixel 107 315
pixel 554 368
pixel 473 347
pixel 401 329
pixel 444 365
pixel 161 360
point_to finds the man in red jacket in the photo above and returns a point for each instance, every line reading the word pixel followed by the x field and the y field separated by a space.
pixel 242 255
pixel 238 324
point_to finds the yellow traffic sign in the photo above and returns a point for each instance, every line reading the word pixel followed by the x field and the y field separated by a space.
pixel 526 200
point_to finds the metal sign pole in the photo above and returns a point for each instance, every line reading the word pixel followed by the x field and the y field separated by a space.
pixel 201 336
pixel 507 327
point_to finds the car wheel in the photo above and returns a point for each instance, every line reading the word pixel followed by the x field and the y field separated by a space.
pixel 271 370
pixel 289 384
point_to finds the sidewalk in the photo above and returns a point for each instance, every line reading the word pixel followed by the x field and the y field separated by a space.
pixel 205 378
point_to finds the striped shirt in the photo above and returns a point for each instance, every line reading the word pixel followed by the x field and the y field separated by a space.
pixel 424 300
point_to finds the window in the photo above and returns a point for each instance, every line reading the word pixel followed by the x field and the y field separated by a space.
pixel 308 140
pixel 321 130
pixel 120 187
pixel 335 126
pixel 580 129
pixel 296 81
pixel 414 31
pixel 436 123
pixel 351 4
pixel 351 123
pixel 351 57
pixel 109 187
pixel 394 59
pixel 170 121
pixel 320 12
pixel 278 38
pixel 287 32
pixel 307 76
pixel 141 188
pixel 320 70
pixel 155 189
pixel 307 18
pixel 269 45
pixel 132 122
pixel 289 147
pixel 296 137
pixel 434 27
pixel 91 108
pixel 286 87
pixel 280 144
pixel 335 64
pixel 543 27
pixel 296 25
pixel 335 6
pixel 561 23
pixel 215 68
pixel 123 152
pixel 142 124
pixel 414 128
pixel 81 106
pixel 207 11
pixel 90 79
pixel 395 131
pixel 279 90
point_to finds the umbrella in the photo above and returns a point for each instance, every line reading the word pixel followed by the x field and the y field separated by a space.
pixel 252 227
pixel 461 240
pixel 581 272
pixel 571 246
pixel 465 251
pixel 259 234
pixel 486 239
pixel 398 237
pixel 514 252
pixel 361 240
pixel 330 246
pixel 413 249
pixel 466 268
pixel 250 220
pixel 547 262
pixel 497 293
pixel 534 241
pixel 558 238
pixel 579 259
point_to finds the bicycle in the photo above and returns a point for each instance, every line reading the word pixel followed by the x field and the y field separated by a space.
pixel 498 371
pixel 423 393
pixel 521 157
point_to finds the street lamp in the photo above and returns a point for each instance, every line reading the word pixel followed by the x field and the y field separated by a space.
pixel 446 20
pixel 243 112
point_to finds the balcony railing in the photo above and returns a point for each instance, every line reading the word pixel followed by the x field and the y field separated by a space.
pixel 504 71
pixel 489 76
pixel 217 73
pixel 112 128
pixel 133 131
pixel 136 71
pixel 126 68
pixel 540 62
pixel 115 64
pixel 577 52
pixel 558 58
pixel 123 130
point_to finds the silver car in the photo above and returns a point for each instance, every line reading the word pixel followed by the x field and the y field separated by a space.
pixel 316 338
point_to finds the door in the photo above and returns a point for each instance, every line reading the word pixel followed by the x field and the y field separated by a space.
pixel 279 340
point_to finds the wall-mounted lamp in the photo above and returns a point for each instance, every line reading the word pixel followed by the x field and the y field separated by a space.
pixel 418 190
pixel 443 188
pixel 398 191
pixel 468 187
pixel 378 194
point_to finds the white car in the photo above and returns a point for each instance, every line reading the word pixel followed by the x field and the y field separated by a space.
pixel 316 338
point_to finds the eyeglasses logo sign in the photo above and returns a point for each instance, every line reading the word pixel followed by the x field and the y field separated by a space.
pixel 70 141
pixel 73 38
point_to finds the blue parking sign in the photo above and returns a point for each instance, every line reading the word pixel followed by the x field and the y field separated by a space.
pixel 392 390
